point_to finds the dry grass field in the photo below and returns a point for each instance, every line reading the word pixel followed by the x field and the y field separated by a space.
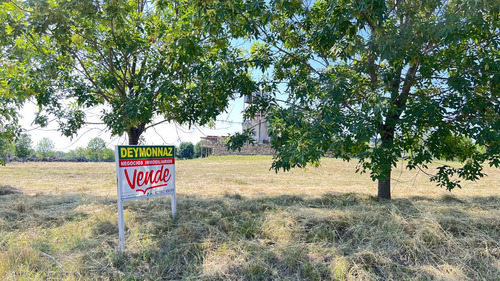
pixel 239 221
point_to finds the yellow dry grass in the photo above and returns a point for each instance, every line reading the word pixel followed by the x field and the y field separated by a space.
pixel 250 176
pixel 239 221
pixel 245 175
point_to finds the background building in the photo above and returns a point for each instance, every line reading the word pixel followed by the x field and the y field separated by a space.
pixel 259 123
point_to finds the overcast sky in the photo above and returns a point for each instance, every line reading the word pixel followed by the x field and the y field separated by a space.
pixel 167 133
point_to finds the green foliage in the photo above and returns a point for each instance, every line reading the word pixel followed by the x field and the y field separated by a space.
pixel 76 154
pixel 142 60
pixel 12 70
pixel 3 149
pixel 185 150
pixel 237 140
pixel 419 76
pixel 7 149
pixel 108 155
pixel 95 150
pixel 23 147
pixel 45 148
pixel 59 154
pixel 9 128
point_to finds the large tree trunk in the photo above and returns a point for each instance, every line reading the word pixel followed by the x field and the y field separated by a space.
pixel 384 182
pixel 384 185
pixel 388 129
pixel 134 134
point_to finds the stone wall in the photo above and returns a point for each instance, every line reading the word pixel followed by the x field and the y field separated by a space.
pixel 249 149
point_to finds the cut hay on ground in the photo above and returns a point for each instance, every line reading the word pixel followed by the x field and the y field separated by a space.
pixel 239 221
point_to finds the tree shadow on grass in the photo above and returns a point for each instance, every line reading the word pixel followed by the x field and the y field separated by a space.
pixel 333 236
pixel 8 190
pixel 22 211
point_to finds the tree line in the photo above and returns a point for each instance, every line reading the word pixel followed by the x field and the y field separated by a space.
pixel 23 149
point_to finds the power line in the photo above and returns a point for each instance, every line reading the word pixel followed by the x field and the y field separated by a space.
pixel 154 129
pixel 80 136
pixel 229 122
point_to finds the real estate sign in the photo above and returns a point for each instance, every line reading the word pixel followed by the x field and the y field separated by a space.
pixel 143 172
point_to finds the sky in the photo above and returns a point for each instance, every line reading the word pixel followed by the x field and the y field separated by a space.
pixel 166 133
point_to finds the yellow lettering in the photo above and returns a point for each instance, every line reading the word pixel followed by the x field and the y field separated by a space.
pixel 148 151
pixel 169 153
pixel 130 152
pixel 154 151
pixel 136 151
pixel 143 152
pixel 123 152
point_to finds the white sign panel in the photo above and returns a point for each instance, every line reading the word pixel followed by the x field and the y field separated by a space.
pixel 143 172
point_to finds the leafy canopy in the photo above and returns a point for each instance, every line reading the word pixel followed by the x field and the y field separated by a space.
pixel 185 150
pixel 45 148
pixel 141 60
pixel 96 149
pixel 23 146
pixel 380 81
pixel 11 65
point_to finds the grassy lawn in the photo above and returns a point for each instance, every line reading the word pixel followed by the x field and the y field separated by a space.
pixel 239 221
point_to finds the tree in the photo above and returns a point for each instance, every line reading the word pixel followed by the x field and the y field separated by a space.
pixel 76 154
pixel 95 149
pixel 420 77
pixel 12 62
pixel 142 60
pixel 9 127
pixel 59 154
pixel 7 149
pixel 45 148
pixel 13 75
pixel 185 150
pixel 108 155
pixel 23 147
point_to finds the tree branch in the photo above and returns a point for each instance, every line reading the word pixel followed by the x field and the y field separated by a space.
pixel 370 23
pixel 158 123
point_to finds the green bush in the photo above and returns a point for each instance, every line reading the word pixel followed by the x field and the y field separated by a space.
pixel 185 150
